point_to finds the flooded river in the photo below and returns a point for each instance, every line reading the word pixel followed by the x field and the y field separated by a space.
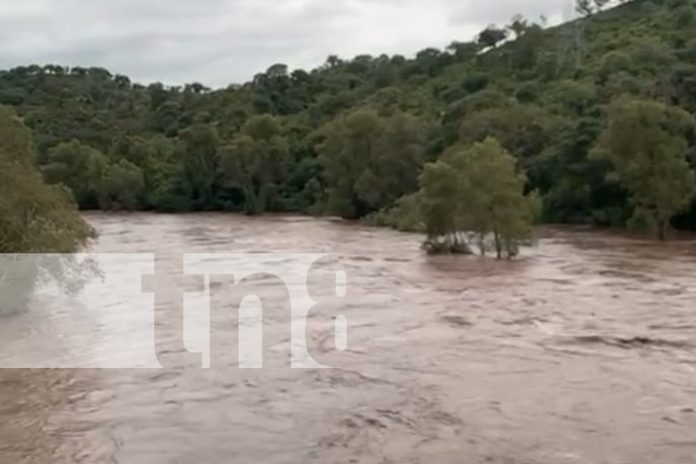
pixel 582 351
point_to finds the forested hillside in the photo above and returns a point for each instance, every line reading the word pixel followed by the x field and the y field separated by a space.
pixel 352 137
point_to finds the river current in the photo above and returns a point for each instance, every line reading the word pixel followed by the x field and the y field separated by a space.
pixel 581 351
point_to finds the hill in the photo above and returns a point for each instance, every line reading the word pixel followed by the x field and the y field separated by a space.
pixel 351 137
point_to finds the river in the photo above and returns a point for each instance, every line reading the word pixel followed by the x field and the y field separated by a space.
pixel 581 351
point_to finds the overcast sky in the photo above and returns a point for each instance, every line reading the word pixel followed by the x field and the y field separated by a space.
pixel 219 42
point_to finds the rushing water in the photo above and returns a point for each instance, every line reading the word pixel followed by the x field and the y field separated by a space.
pixel 582 351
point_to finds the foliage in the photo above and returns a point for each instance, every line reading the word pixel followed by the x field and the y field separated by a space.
pixel 476 191
pixel 352 136
pixel 121 186
pixel 645 143
pixel 491 36
pixel 200 162
pixel 404 216
pixel 370 161
pixel 255 161
pixel 78 167
pixel 34 217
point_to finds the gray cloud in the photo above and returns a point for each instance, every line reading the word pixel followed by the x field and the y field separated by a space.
pixel 218 42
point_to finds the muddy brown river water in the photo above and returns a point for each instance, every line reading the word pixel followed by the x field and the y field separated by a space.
pixel 582 351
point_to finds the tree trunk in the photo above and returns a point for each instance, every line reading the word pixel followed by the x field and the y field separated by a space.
pixel 261 200
pixel 662 230
pixel 498 245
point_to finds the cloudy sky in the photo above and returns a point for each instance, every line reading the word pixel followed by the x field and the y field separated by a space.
pixel 218 42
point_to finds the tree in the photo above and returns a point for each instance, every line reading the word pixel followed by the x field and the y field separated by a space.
pixel 347 149
pixel 492 36
pixel 121 187
pixel 575 189
pixel 614 62
pixel 573 96
pixel 277 70
pixel 524 130
pixel 518 26
pixel 653 54
pixel 78 167
pixel 402 154
pixel 370 161
pixel 477 191
pixel 645 146
pixel 685 15
pixel 525 49
pixel 497 204
pixel 589 7
pixel 133 149
pixel 200 159
pixel 584 7
pixel 333 61
pixel 254 162
pixel 157 94
pixel 441 198
pixel 430 60
pixel 166 186
pixel 464 50
pixel 34 218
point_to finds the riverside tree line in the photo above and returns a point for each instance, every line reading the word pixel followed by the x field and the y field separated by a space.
pixel 588 122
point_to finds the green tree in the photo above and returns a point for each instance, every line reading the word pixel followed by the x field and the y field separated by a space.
pixel 492 36
pixel 200 163
pixel 464 50
pixel 524 130
pixel 34 218
pixel 402 153
pixel 477 191
pixel 614 62
pixel 589 7
pixel 121 186
pixel 518 25
pixel 370 161
pixel 347 151
pixel 572 96
pixel 134 149
pixel 653 54
pixel 645 145
pixel 443 191
pixel 496 200
pixel 78 167
pixel 255 161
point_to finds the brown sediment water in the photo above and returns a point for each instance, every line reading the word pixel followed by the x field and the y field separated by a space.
pixel 581 351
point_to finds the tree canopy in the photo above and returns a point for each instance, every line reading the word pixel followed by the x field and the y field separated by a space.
pixel 475 193
pixel 353 136
pixel 645 144
pixel 34 217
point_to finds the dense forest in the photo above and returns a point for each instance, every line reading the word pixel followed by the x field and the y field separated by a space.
pixel 589 122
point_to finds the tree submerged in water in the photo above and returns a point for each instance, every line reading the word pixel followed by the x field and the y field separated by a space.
pixel 473 197
pixel 34 218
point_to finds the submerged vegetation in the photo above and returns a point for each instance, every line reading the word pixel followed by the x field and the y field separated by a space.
pixel 473 193
pixel 35 219
pixel 587 122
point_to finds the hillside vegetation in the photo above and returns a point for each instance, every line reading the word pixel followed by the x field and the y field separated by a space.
pixel 596 114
